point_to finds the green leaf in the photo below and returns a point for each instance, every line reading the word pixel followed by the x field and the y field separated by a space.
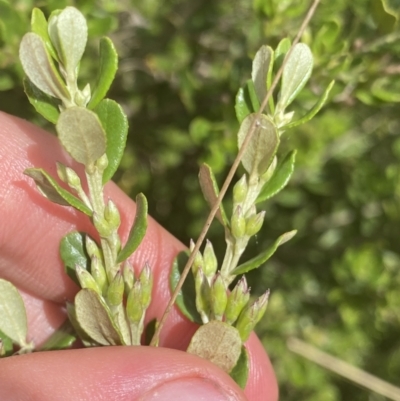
pixel 138 229
pixel 40 27
pixel 314 110
pixel 279 179
pixel 6 345
pixel 242 104
pixel 262 146
pixel 82 135
pixel 255 103
pixel 95 319
pixel 62 338
pixel 39 66
pixel 107 70
pixel 296 73
pixel 73 252
pixel 86 340
pixel 13 321
pixel 50 189
pixel 264 256
pixel 240 372
pixel 262 64
pixel 210 189
pixel 45 105
pixel 115 124
pixel 280 52
pixel 218 342
pixel 186 300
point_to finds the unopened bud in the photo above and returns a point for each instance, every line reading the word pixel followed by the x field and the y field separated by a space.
pixel 240 190
pixel 271 169
pixel 99 273
pixel 129 277
pixel 73 179
pixel 202 295
pixel 101 225
pixel 86 280
pixel 134 309
pixel 198 259
pixel 61 171
pixel 210 263
pixel 254 224
pixel 111 214
pixel 102 163
pixel 91 247
pixel 146 281
pixel 237 300
pixel 219 297
pixel 238 223
pixel 115 291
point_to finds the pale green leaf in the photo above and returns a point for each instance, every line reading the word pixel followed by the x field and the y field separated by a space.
pixel 240 372
pixel 262 63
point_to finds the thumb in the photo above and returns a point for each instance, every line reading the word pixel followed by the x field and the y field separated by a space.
pixel 114 373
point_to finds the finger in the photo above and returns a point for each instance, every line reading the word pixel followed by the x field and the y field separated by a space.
pixel 114 373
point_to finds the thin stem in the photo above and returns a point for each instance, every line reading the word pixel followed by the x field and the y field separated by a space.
pixel 230 176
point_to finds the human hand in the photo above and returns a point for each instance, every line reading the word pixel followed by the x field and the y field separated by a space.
pixel 30 232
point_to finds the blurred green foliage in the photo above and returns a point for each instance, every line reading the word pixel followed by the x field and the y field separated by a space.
pixel 337 283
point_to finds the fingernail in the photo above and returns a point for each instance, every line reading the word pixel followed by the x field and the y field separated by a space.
pixel 193 389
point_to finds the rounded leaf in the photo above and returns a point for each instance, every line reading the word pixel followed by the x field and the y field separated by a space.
pixel 82 135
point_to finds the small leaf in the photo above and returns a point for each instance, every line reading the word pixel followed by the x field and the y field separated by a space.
pixel 40 27
pixel 68 32
pixel 255 103
pixel 95 319
pixel 82 135
pixel 86 340
pixel 296 73
pixel 281 51
pixel 217 342
pixel 314 110
pixel 108 68
pixel 279 179
pixel 185 301
pixel 6 345
pixel 39 66
pixel 13 321
pixel 242 104
pixel 210 190
pixel 62 338
pixel 240 372
pixel 115 124
pixel 73 252
pixel 45 105
pixel 264 256
pixel 262 63
pixel 138 229
pixel 50 189
pixel 262 146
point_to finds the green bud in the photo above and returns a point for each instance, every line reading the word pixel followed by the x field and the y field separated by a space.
pixel 146 281
pixel 240 190
pixel 102 162
pixel 86 280
pixel 72 178
pixel 101 225
pixel 219 297
pixel 61 171
pixel 254 224
pixel 111 214
pixel 99 273
pixel 237 300
pixel 238 223
pixel 115 291
pixel 202 295
pixel 251 315
pixel 92 248
pixel 268 174
pixel 210 263
pixel 134 309
pixel 198 259
pixel 129 277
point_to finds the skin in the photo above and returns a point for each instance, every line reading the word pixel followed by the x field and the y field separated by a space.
pixel 30 232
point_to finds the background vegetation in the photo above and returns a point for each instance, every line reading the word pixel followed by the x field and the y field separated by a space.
pixel 337 283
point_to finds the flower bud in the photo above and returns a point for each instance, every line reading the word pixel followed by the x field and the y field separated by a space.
pixel 254 223
pixel 102 163
pixel 129 277
pixel 86 280
pixel 146 281
pixel 219 297
pixel 134 309
pixel 240 190
pixel 99 273
pixel 237 300
pixel 73 179
pixel 101 225
pixel 202 295
pixel 115 291
pixel 271 169
pixel 238 223
pixel 198 259
pixel 61 171
pixel 111 214
pixel 91 247
pixel 210 263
